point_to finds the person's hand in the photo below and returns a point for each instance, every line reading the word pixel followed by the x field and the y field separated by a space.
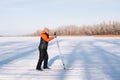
pixel 55 35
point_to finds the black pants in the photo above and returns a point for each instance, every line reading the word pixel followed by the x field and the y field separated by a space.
pixel 43 56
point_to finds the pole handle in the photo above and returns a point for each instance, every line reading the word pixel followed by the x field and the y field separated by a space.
pixel 55 34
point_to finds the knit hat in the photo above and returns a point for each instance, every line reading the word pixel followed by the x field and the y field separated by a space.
pixel 45 30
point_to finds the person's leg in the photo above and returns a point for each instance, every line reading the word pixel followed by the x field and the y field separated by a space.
pixel 41 57
pixel 45 60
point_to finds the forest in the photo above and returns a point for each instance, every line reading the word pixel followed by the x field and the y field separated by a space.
pixel 109 28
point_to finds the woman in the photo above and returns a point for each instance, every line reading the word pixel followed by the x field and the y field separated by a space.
pixel 43 55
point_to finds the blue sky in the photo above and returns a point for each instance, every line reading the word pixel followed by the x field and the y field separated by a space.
pixel 26 16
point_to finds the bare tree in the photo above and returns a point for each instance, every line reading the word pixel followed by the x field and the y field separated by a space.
pixel 110 28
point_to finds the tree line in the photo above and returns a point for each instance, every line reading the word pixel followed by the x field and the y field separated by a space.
pixel 110 28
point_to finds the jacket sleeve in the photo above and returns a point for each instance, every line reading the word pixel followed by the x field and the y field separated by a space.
pixel 46 38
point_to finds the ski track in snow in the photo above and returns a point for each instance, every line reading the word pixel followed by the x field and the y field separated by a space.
pixel 86 58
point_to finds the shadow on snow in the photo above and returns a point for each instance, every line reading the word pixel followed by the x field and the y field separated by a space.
pixel 97 62
pixel 22 52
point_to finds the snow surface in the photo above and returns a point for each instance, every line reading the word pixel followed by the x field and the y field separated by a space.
pixel 86 58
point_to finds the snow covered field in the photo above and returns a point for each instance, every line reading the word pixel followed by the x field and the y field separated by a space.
pixel 86 58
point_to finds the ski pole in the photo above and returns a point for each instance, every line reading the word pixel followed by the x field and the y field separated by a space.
pixel 59 50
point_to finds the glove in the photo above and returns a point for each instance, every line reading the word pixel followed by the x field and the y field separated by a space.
pixel 55 35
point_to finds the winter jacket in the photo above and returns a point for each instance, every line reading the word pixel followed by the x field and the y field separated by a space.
pixel 44 40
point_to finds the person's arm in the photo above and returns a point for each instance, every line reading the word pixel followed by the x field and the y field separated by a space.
pixel 46 38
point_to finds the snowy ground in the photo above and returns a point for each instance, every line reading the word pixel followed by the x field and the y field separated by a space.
pixel 86 58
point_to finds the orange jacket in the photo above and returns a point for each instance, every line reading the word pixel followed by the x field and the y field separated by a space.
pixel 44 36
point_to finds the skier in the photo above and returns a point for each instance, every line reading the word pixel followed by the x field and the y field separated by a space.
pixel 43 55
